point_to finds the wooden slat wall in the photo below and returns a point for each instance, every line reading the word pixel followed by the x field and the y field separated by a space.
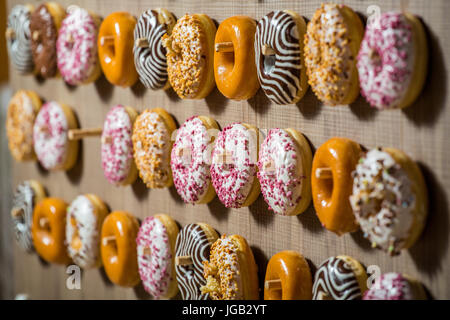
pixel 422 131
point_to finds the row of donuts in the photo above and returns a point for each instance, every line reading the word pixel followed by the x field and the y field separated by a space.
pixel 194 261
pixel 381 190
pixel 280 53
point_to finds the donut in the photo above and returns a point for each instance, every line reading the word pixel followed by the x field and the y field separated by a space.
pixel 191 159
pixel 190 56
pixel 234 165
pixel 18 38
pixel 76 47
pixel 279 56
pixel 331 184
pixel 395 286
pixel 118 248
pixel 284 164
pixel 20 117
pixel 156 254
pixel 234 70
pixel 115 49
pixel 231 272
pixel 392 61
pixel 389 199
pixel 340 278
pixel 288 277
pixel 332 42
pixel 84 221
pixel 152 144
pixel 53 148
pixel 48 230
pixel 26 196
pixel 117 147
pixel 192 247
pixel 149 53
pixel 45 22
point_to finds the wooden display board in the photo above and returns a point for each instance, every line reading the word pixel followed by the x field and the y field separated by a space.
pixel 421 130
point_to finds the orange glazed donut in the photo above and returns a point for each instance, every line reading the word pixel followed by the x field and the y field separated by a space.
pixel 49 230
pixel 331 182
pixel 118 248
pixel 234 67
pixel 288 277
pixel 115 49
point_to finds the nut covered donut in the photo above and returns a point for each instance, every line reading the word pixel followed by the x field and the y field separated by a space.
pixel 50 136
pixel 149 53
pixel 118 248
pixel 190 159
pixel 156 255
pixel 117 147
pixel 389 199
pixel 285 161
pixel 115 49
pixel 331 182
pixel 22 111
pixel 279 56
pixel 18 38
pixel 234 70
pixel 234 165
pixel 84 221
pixel 76 47
pixel 44 25
pixel 395 286
pixel 152 144
pixel 190 56
pixel 332 43
pixel 392 62
pixel 288 277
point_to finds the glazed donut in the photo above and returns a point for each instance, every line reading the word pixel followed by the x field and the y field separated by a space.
pixel 279 56
pixel 118 248
pixel 234 165
pixel 156 253
pixel 149 53
pixel 22 111
pixel 76 47
pixel 53 148
pixel 332 42
pixel 48 230
pixel 18 38
pixel 331 183
pixel 44 25
pixel 395 286
pixel 117 147
pixel 234 70
pixel 190 159
pixel 115 49
pixel 192 248
pixel 389 199
pixel 85 217
pixel 392 61
pixel 231 272
pixel 340 278
pixel 190 56
pixel 26 196
pixel 284 164
pixel 152 144
pixel 288 277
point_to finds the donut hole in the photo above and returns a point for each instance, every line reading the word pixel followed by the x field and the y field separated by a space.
pixel 269 63
pixel 327 187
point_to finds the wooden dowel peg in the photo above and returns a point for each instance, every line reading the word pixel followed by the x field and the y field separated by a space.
pixel 404 5
pixel 323 296
pixel 107 139
pixel 273 284
pixel 147 251
pixel 43 222
pixel 183 261
pixel 267 50
pixel 10 33
pixel 77 134
pixel 105 240
pixel 35 35
pixel 70 38
pixel 324 173
pixel 105 40
pixel 17 212
pixel 141 43
pixel 224 47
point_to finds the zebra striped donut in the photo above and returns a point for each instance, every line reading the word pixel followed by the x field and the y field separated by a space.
pixel 19 38
pixel 194 242
pixel 151 61
pixel 281 75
